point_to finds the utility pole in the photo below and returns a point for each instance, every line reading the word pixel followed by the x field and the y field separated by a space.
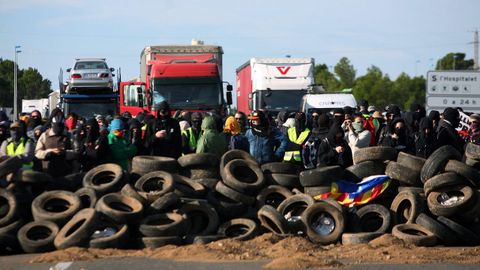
pixel 15 83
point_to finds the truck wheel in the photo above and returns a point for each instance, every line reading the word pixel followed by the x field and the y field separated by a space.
pixel 437 161
pixel 105 178
pixel 374 153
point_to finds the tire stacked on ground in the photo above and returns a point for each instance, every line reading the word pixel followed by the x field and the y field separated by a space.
pixel 284 174
pixel 198 166
pixel 319 180
pixel 406 170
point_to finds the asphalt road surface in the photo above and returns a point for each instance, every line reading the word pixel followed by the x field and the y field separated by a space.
pixel 21 262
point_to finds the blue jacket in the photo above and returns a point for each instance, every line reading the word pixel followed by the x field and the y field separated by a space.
pixel 267 149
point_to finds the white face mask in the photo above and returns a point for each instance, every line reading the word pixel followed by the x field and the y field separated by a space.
pixel 357 126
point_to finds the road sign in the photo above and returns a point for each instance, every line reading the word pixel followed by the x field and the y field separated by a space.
pixel 453 89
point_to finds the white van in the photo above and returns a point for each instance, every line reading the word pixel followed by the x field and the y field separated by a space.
pixel 326 102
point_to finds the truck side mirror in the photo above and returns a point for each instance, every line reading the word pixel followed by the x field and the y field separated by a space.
pixel 229 98
pixel 269 92
pixel 140 97
pixel 68 69
pixel 250 104
pixel 229 87
pixel 112 69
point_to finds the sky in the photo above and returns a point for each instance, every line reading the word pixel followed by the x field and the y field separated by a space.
pixel 396 36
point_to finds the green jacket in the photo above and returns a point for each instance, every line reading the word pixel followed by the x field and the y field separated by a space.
pixel 211 141
pixel 120 152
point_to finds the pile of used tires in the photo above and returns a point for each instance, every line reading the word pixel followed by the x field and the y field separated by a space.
pixel 199 198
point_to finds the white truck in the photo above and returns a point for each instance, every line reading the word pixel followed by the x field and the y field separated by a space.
pixel 326 102
pixel 29 105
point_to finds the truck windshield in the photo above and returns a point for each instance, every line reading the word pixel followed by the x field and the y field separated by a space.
pixel 89 109
pixel 278 100
pixel 186 93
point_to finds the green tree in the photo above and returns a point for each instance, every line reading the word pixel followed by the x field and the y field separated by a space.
pixel 375 87
pixel 326 78
pixel 454 61
pixel 345 71
pixel 408 90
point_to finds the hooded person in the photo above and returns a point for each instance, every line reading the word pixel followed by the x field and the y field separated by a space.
pixel 398 137
pixel 392 111
pixel 54 148
pixel 267 143
pixel 235 139
pixel 318 133
pixel 434 117
pixel 191 135
pixel 163 136
pixel 297 136
pixel 135 135
pixel 426 141
pixel 474 130
pixel 19 145
pixel 211 141
pixel 447 133
pixel 121 151
pixel 35 119
pixel 357 136
pixel 334 150
pixel 282 118
pixel 56 113
pixel 95 146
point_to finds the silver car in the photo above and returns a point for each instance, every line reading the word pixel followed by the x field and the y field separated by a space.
pixel 90 73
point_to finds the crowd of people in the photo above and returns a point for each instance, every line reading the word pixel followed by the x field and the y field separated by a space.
pixel 67 144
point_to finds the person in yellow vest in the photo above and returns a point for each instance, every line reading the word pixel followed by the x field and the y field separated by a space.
pixel 297 136
pixel 19 145
pixel 191 135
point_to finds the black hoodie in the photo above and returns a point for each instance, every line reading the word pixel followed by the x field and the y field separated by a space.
pixel 327 154
pixel 171 144
pixel 426 143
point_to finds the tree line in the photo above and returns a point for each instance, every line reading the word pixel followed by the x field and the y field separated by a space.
pixel 378 88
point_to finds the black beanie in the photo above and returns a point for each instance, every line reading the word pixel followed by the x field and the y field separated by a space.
pixel 451 115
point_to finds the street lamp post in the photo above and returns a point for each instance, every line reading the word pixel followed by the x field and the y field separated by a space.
pixel 15 91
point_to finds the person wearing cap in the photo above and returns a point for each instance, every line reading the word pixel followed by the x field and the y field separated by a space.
pixel 267 143
pixel 447 133
pixel 54 148
pixel 474 130
pixel 297 137
pixel 19 145
pixel 211 141
pixel 120 150
pixel 191 135
pixel 163 136
pixel 235 139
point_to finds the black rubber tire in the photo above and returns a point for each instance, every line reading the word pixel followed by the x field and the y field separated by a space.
pixel 372 218
pixel 472 151
pixel 187 188
pixel 203 217
pixel 463 234
pixel 243 176
pixel 473 163
pixel 12 228
pixel 167 224
pixel 378 153
pixel 225 206
pixel 78 230
pixel 208 183
pixel 359 238
pixel 129 191
pixel 105 178
pixel 403 174
pixel 153 185
pixel 439 181
pixel 309 217
pixel 156 242
pixel 316 191
pixel 294 206
pixel 472 214
pixel 280 168
pixel 439 209
pixel 10 165
pixel 436 162
pixel 359 171
pixel 145 164
pixel 200 172
pixel 272 195
pixel 32 177
pixel 8 207
pixel 406 203
pixel 118 240
pixel 37 236
pixel 64 204
pixel 120 208
pixel 199 159
pixel 235 154
pixel 272 220
pixel 284 180
pixel 233 194
pixel 470 173
pixel 438 229
pixel 240 229
pixel 322 176
pixel 71 182
pixel 414 234
pixel 164 203
pixel 88 197
pixel 410 161
pixel 418 190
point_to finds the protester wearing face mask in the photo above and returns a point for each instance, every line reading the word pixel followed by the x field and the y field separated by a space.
pixel 297 137
pixel 398 137
pixel 334 150
pixel 235 139
pixel 426 141
pixel 392 112
pixel 447 133
pixel 54 149
pixel 19 145
pixel 191 135
pixel 356 136
pixel 474 131
pixel 120 150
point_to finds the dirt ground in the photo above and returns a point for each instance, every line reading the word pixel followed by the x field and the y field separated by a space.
pixel 285 252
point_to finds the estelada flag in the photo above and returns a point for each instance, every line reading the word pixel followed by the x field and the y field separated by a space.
pixel 349 194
